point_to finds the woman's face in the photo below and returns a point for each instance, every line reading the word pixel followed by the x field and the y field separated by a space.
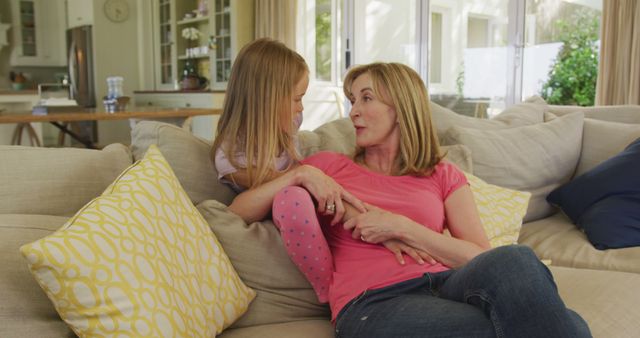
pixel 375 121
pixel 296 100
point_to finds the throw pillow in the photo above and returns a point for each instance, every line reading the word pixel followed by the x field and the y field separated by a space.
pixel 526 113
pixel 188 156
pixel 139 260
pixel 596 148
pixel 605 201
pixel 536 158
pixel 257 253
pixel 501 210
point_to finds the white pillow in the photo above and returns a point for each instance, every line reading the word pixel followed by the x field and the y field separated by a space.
pixel 536 158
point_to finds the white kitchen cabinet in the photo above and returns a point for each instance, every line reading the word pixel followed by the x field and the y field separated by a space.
pixel 38 33
pixel 225 27
pixel 79 13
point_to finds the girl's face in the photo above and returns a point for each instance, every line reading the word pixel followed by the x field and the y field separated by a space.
pixel 296 100
pixel 374 120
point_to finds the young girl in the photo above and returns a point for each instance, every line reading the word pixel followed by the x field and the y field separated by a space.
pixel 261 114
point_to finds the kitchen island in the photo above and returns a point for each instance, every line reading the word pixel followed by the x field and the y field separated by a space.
pixel 60 119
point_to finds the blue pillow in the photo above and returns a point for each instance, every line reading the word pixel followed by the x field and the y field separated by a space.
pixel 605 201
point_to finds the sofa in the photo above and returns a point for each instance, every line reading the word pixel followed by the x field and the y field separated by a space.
pixel 531 146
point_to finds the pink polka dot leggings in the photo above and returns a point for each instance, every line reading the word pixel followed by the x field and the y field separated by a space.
pixel 295 215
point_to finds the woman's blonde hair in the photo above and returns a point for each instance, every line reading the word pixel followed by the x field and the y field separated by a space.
pixel 401 87
pixel 257 117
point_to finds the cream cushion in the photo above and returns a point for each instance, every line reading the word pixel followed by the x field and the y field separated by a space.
pixel 25 310
pixel 140 259
pixel 536 158
pixel 297 329
pixel 501 210
pixel 188 155
pixel 597 148
pixel 603 298
pixel 622 114
pixel 257 253
pixel 523 114
pixel 46 181
pixel 556 239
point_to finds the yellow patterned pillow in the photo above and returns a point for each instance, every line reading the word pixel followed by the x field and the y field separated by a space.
pixel 501 210
pixel 139 261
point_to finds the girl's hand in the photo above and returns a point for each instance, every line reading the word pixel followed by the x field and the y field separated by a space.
pixel 375 226
pixel 398 248
pixel 327 192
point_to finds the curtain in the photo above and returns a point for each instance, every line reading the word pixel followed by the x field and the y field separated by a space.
pixel 619 70
pixel 276 19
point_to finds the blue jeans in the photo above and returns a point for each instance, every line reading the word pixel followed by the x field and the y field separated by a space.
pixel 505 292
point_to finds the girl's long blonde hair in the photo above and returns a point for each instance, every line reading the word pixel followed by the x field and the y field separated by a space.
pixel 419 147
pixel 257 117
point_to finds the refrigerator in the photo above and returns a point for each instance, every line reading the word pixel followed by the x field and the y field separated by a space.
pixel 82 77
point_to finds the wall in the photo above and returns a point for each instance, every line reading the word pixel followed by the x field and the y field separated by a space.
pixel 115 48
pixel 5 52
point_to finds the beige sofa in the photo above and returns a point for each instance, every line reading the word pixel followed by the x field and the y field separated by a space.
pixel 42 188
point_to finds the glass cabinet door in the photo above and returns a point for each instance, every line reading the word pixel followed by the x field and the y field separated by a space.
pixel 28 28
pixel 222 36
pixel 167 74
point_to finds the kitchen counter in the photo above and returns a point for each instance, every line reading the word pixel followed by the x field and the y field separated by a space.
pixel 19 96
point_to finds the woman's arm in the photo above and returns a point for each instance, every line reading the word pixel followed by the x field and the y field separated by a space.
pixel 255 204
pixel 467 238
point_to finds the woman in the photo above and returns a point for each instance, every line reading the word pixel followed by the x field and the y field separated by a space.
pixel 412 196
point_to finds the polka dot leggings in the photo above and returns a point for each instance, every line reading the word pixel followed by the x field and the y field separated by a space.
pixel 295 215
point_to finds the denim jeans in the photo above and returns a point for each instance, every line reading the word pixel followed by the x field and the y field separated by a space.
pixel 505 292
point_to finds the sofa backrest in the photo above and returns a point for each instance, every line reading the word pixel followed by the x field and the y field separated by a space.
pixel 56 181
pixel 620 114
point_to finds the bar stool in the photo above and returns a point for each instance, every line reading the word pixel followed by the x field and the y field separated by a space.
pixel 16 139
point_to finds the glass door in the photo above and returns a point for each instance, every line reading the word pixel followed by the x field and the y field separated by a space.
pixel 166 44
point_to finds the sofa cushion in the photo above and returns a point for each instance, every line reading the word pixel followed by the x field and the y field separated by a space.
pixel 297 329
pixel 257 253
pixel 596 147
pixel 501 210
pixel 621 114
pixel 536 158
pixel 188 155
pixel 49 181
pixel 607 300
pixel 605 201
pixel 139 258
pixel 25 310
pixel 526 113
pixel 556 239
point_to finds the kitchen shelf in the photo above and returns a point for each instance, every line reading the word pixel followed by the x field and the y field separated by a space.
pixel 203 19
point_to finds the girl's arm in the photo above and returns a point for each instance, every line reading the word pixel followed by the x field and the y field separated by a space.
pixel 467 239
pixel 255 204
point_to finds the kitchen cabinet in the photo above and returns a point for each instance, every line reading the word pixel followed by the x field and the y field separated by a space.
pixel 79 13
pixel 38 33
pixel 224 26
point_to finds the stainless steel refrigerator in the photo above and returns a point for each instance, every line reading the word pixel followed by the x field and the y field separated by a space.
pixel 82 77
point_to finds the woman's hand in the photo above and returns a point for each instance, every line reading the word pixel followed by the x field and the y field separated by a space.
pixel 327 192
pixel 375 226
pixel 398 247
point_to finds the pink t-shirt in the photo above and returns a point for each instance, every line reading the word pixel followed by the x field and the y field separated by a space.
pixel 361 266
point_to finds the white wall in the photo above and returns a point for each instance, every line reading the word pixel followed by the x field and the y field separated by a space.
pixel 115 48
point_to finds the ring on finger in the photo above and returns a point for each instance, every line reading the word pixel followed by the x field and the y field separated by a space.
pixel 331 208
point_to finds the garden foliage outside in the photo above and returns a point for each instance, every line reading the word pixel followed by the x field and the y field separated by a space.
pixel 572 77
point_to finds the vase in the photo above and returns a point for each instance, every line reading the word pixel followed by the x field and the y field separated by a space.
pixel 190 78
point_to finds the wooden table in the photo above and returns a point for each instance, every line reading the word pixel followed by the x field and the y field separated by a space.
pixel 25 117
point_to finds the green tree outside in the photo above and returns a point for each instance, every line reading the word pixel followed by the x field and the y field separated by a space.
pixel 572 77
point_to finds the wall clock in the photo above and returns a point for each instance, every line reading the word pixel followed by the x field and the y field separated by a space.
pixel 116 10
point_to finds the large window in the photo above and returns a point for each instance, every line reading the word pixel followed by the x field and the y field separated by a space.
pixel 478 57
